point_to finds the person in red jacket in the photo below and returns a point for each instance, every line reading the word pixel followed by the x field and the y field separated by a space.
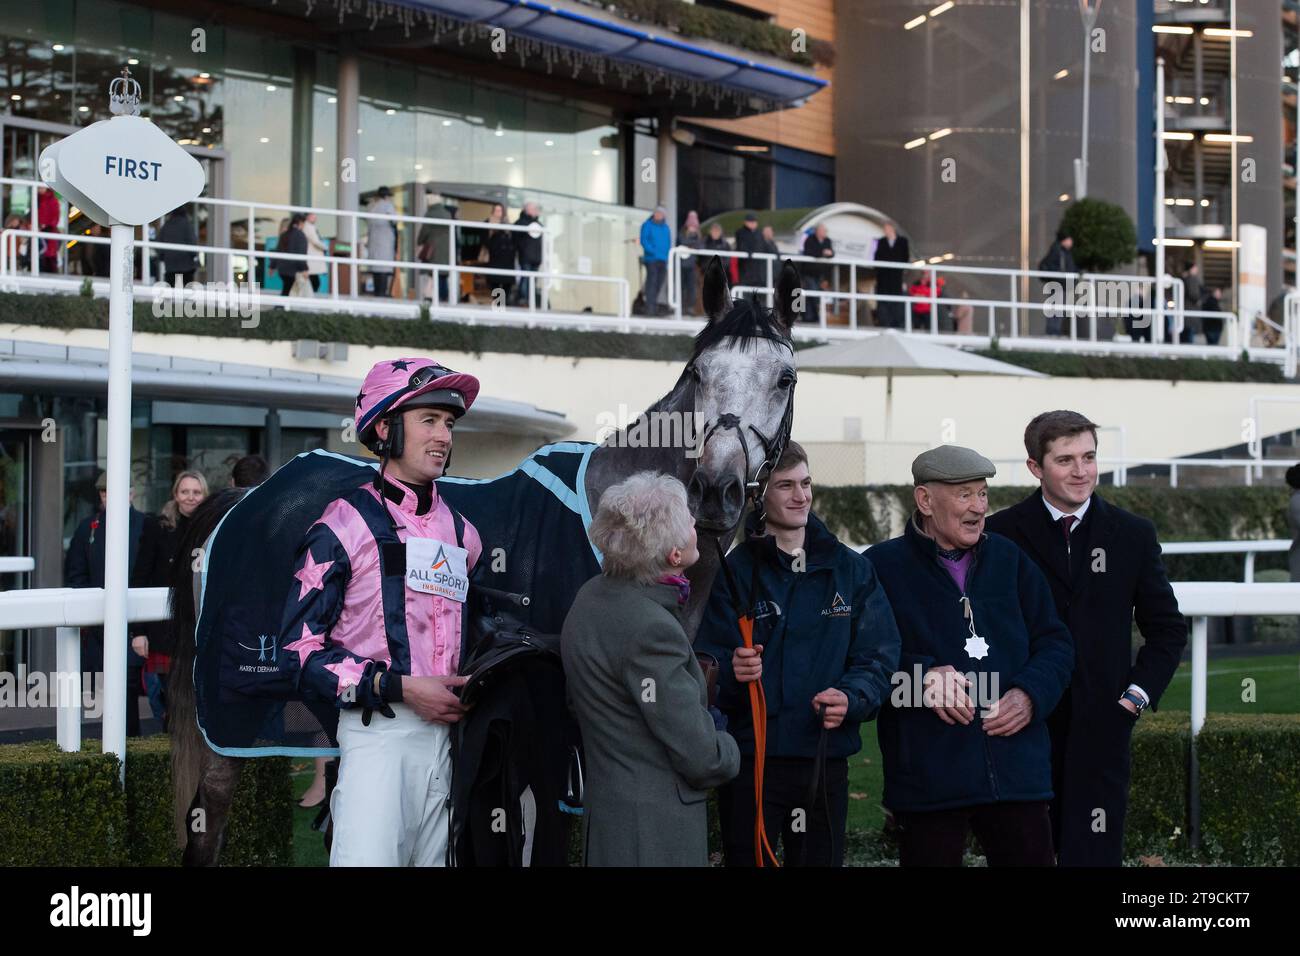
pixel 48 214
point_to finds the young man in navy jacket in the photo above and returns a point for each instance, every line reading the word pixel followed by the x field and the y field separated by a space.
pixel 825 642
pixel 985 658
pixel 1104 567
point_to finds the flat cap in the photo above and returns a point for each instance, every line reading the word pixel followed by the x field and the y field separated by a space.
pixel 951 464
pixel 101 483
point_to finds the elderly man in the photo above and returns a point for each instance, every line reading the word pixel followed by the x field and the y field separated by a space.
pixel 984 660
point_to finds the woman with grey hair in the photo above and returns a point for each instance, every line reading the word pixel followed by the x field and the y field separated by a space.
pixel 652 747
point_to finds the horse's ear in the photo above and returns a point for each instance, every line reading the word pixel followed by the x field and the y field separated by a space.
pixel 717 291
pixel 791 303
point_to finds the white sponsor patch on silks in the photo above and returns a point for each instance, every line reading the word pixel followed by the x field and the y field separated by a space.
pixel 435 567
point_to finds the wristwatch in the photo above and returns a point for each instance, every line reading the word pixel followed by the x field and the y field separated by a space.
pixel 1136 699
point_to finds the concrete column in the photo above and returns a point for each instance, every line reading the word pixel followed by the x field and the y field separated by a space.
pixel 304 84
pixel 271 443
pixel 666 172
pixel 348 151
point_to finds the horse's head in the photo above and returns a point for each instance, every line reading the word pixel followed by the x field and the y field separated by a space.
pixel 743 376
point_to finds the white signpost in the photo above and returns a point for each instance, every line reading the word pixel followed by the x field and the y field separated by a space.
pixel 122 173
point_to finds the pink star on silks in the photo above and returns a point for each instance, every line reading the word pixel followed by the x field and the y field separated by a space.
pixel 306 644
pixel 312 575
pixel 348 672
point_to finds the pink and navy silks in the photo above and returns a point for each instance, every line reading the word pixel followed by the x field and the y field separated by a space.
pixel 349 611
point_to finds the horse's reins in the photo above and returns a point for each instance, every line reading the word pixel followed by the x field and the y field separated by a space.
pixel 755 491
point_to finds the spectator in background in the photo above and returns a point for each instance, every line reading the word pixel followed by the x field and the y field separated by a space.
pixel 1193 294
pixel 1212 302
pixel 178 229
pixel 433 245
pixel 920 291
pixel 656 242
pixel 891 247
pixel 691 237
pixel 316 250
pixel 292 241
pixel 95 256
pixel 528 248
pixel 816 245
pixel 15 221
pixel 963 316
pixel 84 568
pixel 189 490
pixel 750 241
pixel 48 214
pixel 1293 521
pixel 1136 322
pixel 500 250
pixel 1059 258
pixel 381 241
pixel 249 472
pixel 715 239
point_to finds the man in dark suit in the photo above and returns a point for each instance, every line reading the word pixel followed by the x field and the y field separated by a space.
pixel 84 568
pixel 891 247
pixel 1104 566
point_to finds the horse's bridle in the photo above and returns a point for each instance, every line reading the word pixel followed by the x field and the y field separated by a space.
pixel 756 486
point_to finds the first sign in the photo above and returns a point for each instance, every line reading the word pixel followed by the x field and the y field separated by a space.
pixel 122 170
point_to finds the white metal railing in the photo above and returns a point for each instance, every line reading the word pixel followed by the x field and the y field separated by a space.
pixel 1097 301
pixel 536 289
pixel 1202 600
pixel 1086 299
pixel 1248 548
pixel 69 610
pixel 1251 467
pixel 17 565
pixel 350 219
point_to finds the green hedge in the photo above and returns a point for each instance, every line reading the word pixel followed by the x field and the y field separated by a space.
pixel 1250 789
pixel 1157 798
pixel 81 312
pixel 693 20
pixel 868 514
pixel 68 809
pixel 1249 785
pixel 1133 366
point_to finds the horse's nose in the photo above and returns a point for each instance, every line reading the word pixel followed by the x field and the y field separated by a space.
pixel 716 500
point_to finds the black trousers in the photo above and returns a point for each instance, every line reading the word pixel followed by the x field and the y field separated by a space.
pixel 807 836
pixel 1010 834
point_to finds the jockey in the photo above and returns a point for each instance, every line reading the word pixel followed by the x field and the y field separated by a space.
pixel 374 621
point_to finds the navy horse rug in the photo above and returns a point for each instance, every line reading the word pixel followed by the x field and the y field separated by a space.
pixel 532 521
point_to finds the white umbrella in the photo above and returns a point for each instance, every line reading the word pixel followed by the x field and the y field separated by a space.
pixel 890 354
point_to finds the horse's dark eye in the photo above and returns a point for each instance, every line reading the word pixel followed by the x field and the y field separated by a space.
pixel 694 372
pixel 786 381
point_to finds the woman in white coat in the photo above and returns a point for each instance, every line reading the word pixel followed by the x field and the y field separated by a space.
pixel 381 240
pixel 315 252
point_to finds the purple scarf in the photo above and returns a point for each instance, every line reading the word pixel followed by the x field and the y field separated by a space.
pixel 682 584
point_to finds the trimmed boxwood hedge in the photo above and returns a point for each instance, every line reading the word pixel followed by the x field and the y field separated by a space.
pixel 83 312
pixel 68 809
pixel 868 514
pixel 1250 789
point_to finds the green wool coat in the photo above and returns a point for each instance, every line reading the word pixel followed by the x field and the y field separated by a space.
pixel 652 750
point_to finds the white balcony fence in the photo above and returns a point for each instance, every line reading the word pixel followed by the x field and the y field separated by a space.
pixel 604 302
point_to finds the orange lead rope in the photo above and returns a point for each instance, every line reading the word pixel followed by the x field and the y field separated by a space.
pixel 758 707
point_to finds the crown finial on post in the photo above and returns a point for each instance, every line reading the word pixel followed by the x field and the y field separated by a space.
pixel 124 95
